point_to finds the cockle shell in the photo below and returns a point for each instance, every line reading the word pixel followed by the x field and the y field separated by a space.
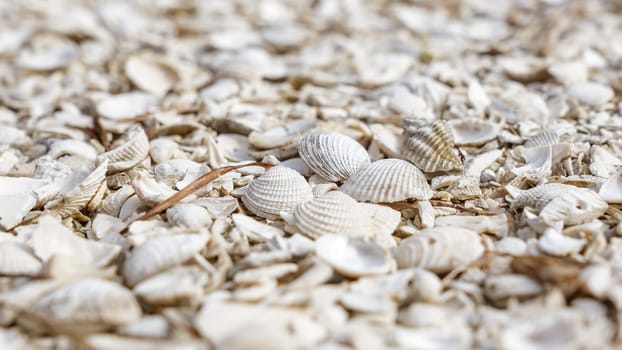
pixel 386 181
pixel 131 149
pixel 430 146
pixel 160 253
pixel 278 189
pixel 440 250
pixel 333 156
pixel 473 131
pixel 17 260
pixel 87 305
pixel 353 256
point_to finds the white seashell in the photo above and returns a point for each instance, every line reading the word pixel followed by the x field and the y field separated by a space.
pixel 104 224
pixel 78 148
pixel 440 250
pixel 427 286
pixel 590 93
pixel 426 213
pixel 543 138
pixel 388 180
pixel 150 191
pixel 333 156
pixel 114 202
pixel 430 146
pixel 384 220
pixel 51 239
pixel 152 326
pixel 280 189
pixel 570 72
pixel 511 245
pixel 602 162
pixel 126 106
pixel 421 315
pixel 254 230
pixel 473 131
pixel 163 149
pixel 353 257
pixel 365 303
pixel 189 215
pixel 517 105
pixel 498 225
pixel 182 284
pixel 264 273
pixel 477 96
pixel 578 206
pixel 281 135
pixel 539 161
pixel 107 341
pixel 17 260
pixel 555 243
pixel 387 139
pixel 161 253
pixel 611 190
pixel 500 287
pixel 597 280
pixel 87 305
pixel 46 53
pixel 130 150
pixel 150 74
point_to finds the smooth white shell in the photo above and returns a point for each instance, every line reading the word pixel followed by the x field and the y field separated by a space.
pixel 352 256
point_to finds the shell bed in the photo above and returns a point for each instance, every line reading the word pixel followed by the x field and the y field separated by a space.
pixel 427 175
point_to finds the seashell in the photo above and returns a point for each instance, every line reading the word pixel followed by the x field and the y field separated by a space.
pixel 278 189
pixel 570 72
pixel 87 305
pixel 543 138
pixel 280 136
pixel 150 74
pixel 476 165
pixel 333 156
pixel 353 256
pixel 473 131
pixel 517 105
pixel 500 287
pixel 17 198
pixel 17 260
pixel 254 230
pixel 590 93
pixel 182 284
pixel 387 139
pixel 365 303
pixel 477 96
pixel 597 280
pixel 51 239
pixel 553 242
pixel 78 148
pixel 440 250
pixel 602 162
pixel 46 53
pixel 611 190
pixel 430 146
pixel 161 253
pixel 114 202
pixel 386 181
pixel 129 151
pixel 384 220
pixel 152 326
pixel 126 106
pixel 189 215
pixel 163 149
pixel 259 274
pixel 150 191
pixel 79 197
pixel 498 225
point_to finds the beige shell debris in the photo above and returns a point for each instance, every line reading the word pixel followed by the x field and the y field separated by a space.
pixel 430 146
pixel 17 260
pixel 386 181
pixel 278 189
pixel 440 249
pixel 335 157
pixel 126 106
pixel 473 131
pixel 129 151
pixel 353 256
pixel 590 93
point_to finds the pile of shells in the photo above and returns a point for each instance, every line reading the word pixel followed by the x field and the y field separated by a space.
pixel 277 174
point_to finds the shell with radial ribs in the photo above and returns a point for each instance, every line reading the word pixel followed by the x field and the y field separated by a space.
pixel 386 181
pixel 337 213
pixel 130 150
pixel 161 253
pixel 559 202
pixel 333 156
pixel 278 189
pixel 430 146
pixel 440 250
pixel 88 305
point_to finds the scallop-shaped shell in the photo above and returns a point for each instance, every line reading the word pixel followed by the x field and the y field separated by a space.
pixel 440 250
pixel 473 131
pixel 386 181
pixel 161 253
pixel 278 189
pixel 17 260
pixel 78 198
pixel 133 149
pixel 353 256
pixel 126 106
pixel 332 212
pixel 333 156
pixel 611 190
pixel 87 305
pixel 430 146
pixel 543 138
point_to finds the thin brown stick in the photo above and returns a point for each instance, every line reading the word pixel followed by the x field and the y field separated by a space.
pixel 191 188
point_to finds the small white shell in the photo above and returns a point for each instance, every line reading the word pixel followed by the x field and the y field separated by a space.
pixel 281 135
pixel 179 284
pixel 386 181
pixel 132 149
pixel 440 250
pixel 150 74
pixel 126 106
pixel 189 215
pixel 17 260
pixel 611 190
pixel 590 93
pixel 87 305
pixel 511 285
pixel 160 253
pixel 352 256
pixel 278 189
pixel 333 156
pixel 498 225
pixel 473 131
pixel 430 146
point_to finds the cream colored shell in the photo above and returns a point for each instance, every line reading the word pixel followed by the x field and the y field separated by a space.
pixel 132 149
pixel 430 146
pixel 386 181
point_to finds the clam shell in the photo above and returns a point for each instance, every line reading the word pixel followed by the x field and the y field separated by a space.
pixel 161 253
pixel 133 149
pixel 126 106
pixel 278 189
pixel 87 305
pixel 590 93
pixel 430 146
pixel 386 181
pixel 473 131
pixel 180 284
pixel 333 156
pixel 353 256
pixel 543 138
pixel 440 250
pixel 150 74
pixel 17 260
pixel 189 215
pixel 611 190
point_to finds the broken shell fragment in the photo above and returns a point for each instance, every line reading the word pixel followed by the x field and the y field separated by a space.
pixel 130 150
